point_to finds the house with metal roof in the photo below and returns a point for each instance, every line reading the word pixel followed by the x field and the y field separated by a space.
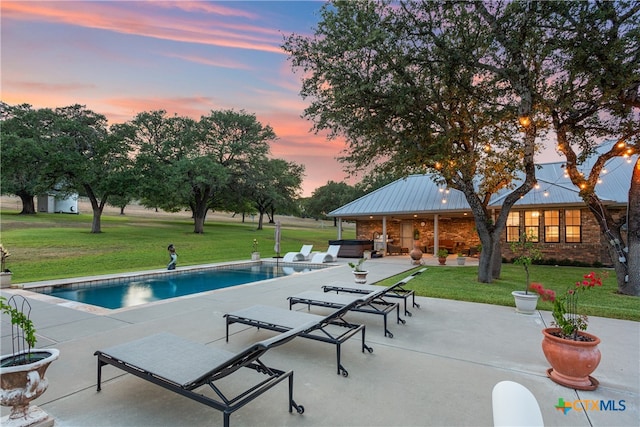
pixel 416 211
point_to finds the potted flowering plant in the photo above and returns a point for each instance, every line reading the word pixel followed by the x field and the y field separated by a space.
pixel 255 255
pixel 572 352
pixel 442 256
pixel 22 373
pixel 526 253
pixel 360 275
pixel 5 273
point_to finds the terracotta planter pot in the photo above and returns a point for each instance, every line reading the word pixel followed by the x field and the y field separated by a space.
pixel 572 362
pixel 442 260
pixel 416 255
pixel 23 383
pixel 526 303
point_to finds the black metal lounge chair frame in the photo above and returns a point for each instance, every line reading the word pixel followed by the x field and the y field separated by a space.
pixel 395 291
pixel 319 332
pixel 248 358
pixel 372 304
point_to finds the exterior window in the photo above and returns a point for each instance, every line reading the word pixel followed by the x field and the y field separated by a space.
pixel 552 226
pixel 532 225
pixel 513 227
pixel 572 226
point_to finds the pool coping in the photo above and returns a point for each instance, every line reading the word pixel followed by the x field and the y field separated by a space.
pixel 41 290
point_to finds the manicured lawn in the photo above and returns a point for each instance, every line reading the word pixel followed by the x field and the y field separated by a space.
pixel 52 246
pixel 459 283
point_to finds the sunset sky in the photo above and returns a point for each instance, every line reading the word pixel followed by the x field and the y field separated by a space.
pixel 120 58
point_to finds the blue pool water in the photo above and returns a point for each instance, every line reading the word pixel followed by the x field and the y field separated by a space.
pixel 142 291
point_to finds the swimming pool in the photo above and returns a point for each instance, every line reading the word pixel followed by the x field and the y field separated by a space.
pixel 142 289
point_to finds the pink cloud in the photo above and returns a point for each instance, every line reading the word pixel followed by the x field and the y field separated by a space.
pixel 200 6
pixel 112 16
pixel 223 63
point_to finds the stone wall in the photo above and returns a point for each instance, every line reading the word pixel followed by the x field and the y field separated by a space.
pixel 593 248
pixel 460 230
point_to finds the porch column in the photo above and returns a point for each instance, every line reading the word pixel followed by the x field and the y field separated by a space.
pixel 339 228
pixel 384 235
pixel 436 235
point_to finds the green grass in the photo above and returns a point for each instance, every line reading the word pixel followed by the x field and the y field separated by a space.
pixel 459 283
pixel 53 246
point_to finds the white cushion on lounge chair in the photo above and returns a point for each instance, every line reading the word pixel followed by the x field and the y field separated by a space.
pixel 303 255
pixel 330 256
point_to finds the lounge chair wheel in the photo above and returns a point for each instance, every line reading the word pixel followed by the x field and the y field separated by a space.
pixel 345 373
pixel 300 409
pixel 408 313
pixel 370 350
pixel 402 321
pixel 389 334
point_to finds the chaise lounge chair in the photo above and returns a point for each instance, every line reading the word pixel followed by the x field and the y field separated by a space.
pixel 330 256
pixel 372 303
pixel 303 255
pixel 332 329
pixel 394 291
pixel 184 366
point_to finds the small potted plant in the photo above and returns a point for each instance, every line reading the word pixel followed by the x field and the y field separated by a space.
pixel 5 273
pixel 22 373
pixel 461 258
pixel 526 252
pixel 360 275
pixel 255 255
pixel 572 353
pixel 442 256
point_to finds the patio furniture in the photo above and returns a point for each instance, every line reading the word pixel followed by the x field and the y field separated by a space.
pixel 514 405
pixel 303 255
pixel 447 244
pixel 332 329
pixel 394 249
pixel 184 366
pixel 330 256
pixel 352 248
pixel 372 303
pixel 394 291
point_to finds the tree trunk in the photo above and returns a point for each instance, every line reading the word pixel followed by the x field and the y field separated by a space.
pixel 260 219
pixel 97 208
pixel 632 285
pixel 198 224
pixel 489 255
pixel 28 207
pixel 199 214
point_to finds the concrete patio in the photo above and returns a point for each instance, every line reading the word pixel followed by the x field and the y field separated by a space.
pixel 438 369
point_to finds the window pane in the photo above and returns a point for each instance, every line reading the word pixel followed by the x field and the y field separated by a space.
pixel 573 226
pixel 532 225
pixel 552 226
pixel 513 227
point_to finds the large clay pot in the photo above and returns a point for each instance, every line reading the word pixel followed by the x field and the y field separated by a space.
pixel 526 303
pixel 572 362
pixel 20 384
pixel 416 254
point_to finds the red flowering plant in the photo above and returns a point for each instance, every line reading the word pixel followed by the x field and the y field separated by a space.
pixel 565 306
